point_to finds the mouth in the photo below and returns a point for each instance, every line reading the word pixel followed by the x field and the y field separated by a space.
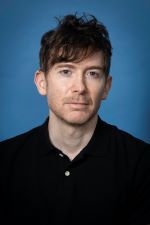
pixel 78 106
pixel 78 103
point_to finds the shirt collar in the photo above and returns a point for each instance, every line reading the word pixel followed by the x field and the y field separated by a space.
pixel 97 145
pixel 44 140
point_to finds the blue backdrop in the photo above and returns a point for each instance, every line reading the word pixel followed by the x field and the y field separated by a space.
pixel 22 24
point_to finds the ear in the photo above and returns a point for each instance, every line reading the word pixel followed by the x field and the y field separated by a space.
pixel 40 82
pixel 107 87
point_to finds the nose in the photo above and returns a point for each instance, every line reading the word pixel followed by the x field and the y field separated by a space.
pixel 79 85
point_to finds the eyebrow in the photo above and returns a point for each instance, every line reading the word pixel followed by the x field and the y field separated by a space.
pixel 72 66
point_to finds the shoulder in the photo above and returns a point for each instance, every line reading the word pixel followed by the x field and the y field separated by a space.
pixel 128 139
pixel 9 149
pixel 122 142
pixel 122 136
pixel 130 154
pixel 10 146
pixel 22 149
pixel 19 138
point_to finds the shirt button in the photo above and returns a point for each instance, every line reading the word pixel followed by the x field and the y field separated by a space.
pixel 61 155
pixel 67 173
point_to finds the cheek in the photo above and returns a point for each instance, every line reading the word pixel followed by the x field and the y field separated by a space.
pixel 55 94
pixel 52 95
pixel 97 93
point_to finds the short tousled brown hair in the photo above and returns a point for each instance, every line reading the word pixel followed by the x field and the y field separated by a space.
pixel 74 39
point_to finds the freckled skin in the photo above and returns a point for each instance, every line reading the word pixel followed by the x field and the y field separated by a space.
pixel 75 90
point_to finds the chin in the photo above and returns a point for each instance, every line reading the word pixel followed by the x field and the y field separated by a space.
pixel 78 120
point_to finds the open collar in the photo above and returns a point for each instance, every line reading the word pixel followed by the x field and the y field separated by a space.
pixel 97 146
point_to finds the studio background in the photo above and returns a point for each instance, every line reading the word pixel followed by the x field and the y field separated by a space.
pixel 22 23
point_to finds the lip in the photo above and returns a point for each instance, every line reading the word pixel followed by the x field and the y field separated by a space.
pixel 78 103
pixel 79 106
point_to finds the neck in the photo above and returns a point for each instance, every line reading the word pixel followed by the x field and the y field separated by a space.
pixel 69 138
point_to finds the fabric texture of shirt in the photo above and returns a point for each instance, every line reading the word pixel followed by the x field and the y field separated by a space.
pixel 107 183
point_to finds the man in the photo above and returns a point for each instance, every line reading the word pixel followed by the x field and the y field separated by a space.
pixel 75 168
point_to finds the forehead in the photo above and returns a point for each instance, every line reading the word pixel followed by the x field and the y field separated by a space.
pixel 94 60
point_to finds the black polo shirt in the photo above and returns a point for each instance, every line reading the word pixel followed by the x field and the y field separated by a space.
pixel 107 183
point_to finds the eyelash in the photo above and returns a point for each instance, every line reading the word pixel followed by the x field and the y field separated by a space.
pixel 93 74
pixel 90 74
pixel 63 72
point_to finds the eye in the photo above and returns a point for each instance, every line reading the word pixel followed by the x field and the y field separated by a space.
pixel 65 72
pixel 93 74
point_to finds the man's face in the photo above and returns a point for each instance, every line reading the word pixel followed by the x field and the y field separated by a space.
pixel 75 90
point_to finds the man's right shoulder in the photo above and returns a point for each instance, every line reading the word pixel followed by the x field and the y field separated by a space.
pixel 14 143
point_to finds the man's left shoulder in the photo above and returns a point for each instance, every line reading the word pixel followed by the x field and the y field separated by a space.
pixel 123 139
pixel 129 141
